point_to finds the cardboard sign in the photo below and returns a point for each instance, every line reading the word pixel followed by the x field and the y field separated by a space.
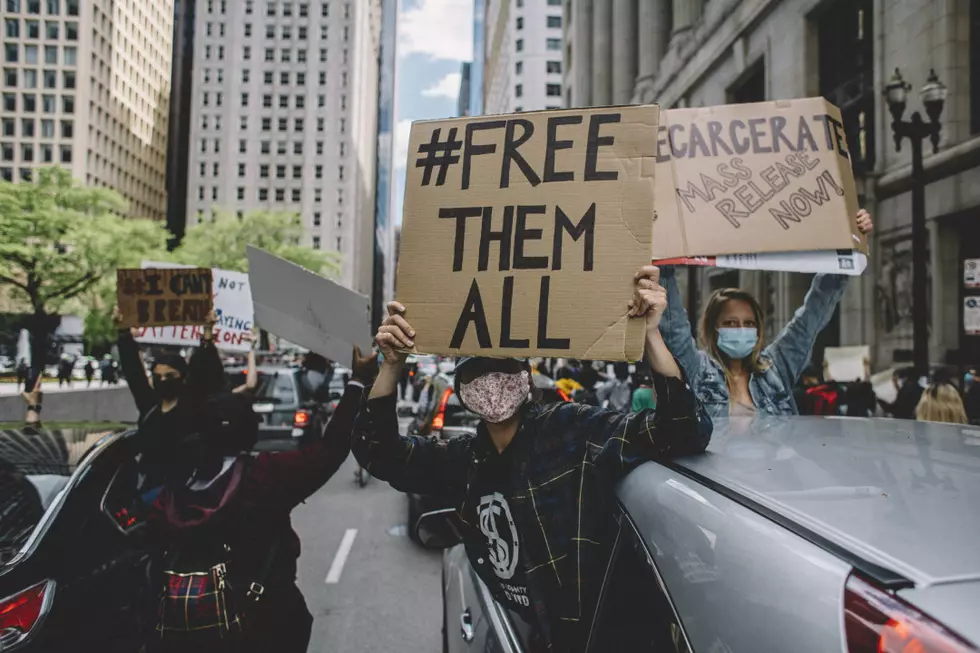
pixel 846 364
pixel 847 262
pixel 971 273
pixel 522 233
pixel 754 179
pixel 160 297
pixel 306 309
pixel 232 303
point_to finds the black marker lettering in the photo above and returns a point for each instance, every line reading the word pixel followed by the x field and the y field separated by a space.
pixel 142 311
pixel 825 119
pixel 511 145
pixel 698 142
pixel 714 133
pixel 741 145
pixel 727 208
pixel 677 150
pixel 523 234
pixel 663 153
pixel 488 235
pixel 506 309
pixel 477 150
pixel 472 312
pixel 805 138
pixel 596 122
pixel 585 226
pixel 459 242
pixel 757 135
pixel 545 342
pixel 778 125
pixel 555 145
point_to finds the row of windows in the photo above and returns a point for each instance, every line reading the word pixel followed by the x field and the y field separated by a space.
pixel 70 58
pixel 550 44
pixel 32 29
pixel 302 10
pixel 29 128
pixel 31 54
pixel 551 90
pixel 551 3
pixel 264 194
pixel 49 79
pixel 51 7
pixel 265 147
pixel 553 21
pixel 550 67
pixel 321 101
pixel 29 103
pixel 45 153
pixel 265 171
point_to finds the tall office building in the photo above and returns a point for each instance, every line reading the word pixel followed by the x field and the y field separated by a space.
pixel 479 57
pixel 178 139
pixel 522 64
pixel 86 85
pixel 383 281
pixel 284 117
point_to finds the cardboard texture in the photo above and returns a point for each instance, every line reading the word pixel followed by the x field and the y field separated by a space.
pixel 306 309
pixel 162 297
pixel 846 364
pixel 522 234
pixel 232 303
pixel 848 262
pixel 754 179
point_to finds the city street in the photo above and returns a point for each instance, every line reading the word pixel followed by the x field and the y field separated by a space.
pixel 385 593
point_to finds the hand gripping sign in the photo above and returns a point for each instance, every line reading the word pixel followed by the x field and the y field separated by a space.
pixel 522 233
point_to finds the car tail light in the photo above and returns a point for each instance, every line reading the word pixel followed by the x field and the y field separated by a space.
pixel 878 622
pixel 439 420
pixel 301 418
pixel 21 612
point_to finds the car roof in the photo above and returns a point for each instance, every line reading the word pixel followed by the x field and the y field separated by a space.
pixel 898 493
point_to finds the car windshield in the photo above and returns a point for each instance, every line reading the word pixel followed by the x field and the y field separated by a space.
pixel 35 465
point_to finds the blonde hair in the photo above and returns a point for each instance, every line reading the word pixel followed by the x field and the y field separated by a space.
pixel 708 330
pixel 941 402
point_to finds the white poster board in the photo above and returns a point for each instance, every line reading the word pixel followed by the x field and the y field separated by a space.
pixel 971 316
pixel 971 273
pixel 848 262
pixel 232 303
pixel 307 309
pixel 846 364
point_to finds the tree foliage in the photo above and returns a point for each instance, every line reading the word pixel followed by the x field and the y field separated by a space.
pixel 221 243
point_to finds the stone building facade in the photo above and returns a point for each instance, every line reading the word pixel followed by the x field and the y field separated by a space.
pixel 708 52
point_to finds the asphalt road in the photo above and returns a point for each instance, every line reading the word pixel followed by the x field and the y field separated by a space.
pixel 384 596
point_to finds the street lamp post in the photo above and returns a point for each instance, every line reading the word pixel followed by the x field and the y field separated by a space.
pixel 933 96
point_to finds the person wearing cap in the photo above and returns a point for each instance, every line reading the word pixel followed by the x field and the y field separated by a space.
pixel 534 488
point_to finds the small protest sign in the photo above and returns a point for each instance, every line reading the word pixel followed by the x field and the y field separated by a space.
pixel 522 233
pixel 755 179
pixel 971 273
pixel 846 364
pixel 971 316
pixel 848 262
pixel 162 297
pixel 232 303
pixel 306 309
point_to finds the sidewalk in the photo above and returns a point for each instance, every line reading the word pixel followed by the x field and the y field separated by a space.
pixel 50 386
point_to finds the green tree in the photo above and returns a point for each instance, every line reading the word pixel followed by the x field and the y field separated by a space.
pixel 221 243
pixel 60 241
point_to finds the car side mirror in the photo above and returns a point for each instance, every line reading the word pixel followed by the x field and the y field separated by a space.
pixel 439 529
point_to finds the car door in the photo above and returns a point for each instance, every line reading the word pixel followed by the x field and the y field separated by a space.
pixel 474 620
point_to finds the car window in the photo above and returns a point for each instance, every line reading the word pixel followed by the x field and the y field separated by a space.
pixel 636 613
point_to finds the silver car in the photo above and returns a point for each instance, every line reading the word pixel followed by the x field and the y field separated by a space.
pixel 810 535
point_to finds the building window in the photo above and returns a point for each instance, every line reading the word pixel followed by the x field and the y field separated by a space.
pixel 519 90
pixel 270 9
pixel 301 56
pixel 241 169
pixel 280 194
pixel 287 32
pixel 300 79
pixel 51 30
pixel 270 54
pixel 68 103
pixel 241 193
pixel 266 124
pixel 297 172
pixel 200 192
pixel 519 68
pixel 214 193
pixel 553 90
pixel 248 29
pixel 246 75
pixel 214 169
pixel 325 9
pixel 27 127
pixel 242 146
pixel 316 242
pixel 286 55
pixel 265 147
pixel 323 55
pixel 553 67
pixel 317 193
pixel 243 123
pixel 297 195
pixel 71 31
pixel 267 101
pixel 298 147
pixel 247 53
pixel 282 147
pixel 264 171
pixel 268 77
pixel 283 124
pixel 554 3
pixel 13 28
pixel 11 53
pixel 553 44
pixel 218 99
pixel 248 7
pixel 519 44
pixel 299 124
pixel 520 22
pixel 67 129
pixel 244 99
pixel 287 9
pixel 9 127
pixel 340 173
pixel 323 78
pixel 319 148
pixel 300 101
pixel 317 219
pixel 283 101
pixel 263 194
pixel 554 21
pixel 304 10
pixel 280 172
pixel 9 102
pixel 321 124
pixel 302 32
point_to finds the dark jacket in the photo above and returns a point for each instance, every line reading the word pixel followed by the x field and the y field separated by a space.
pixel 906 402
pixel 257 514
pixel 561 488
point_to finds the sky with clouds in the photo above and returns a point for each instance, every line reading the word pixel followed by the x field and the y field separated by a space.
pixel 434 38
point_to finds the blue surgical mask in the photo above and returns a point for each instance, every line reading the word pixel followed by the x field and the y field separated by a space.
pixel 737 343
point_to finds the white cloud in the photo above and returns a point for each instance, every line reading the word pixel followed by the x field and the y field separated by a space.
pixel 447 87
pixel 441 29
pixel 402 130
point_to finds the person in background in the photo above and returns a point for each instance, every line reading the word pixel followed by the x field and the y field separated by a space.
pixel 643 397
pixel 108 371
pixel 615 393
pixel 941 402
pixel 906 382
pixel 315 374
pixel 23 373
pixel 543 553
pixel 734 372
pixel 251 370
pixel 971 395
pixel 89 371
pixel 65 367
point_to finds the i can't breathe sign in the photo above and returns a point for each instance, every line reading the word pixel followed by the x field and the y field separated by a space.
pixel 521 234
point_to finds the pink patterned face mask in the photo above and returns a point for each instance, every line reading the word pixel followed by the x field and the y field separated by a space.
pixel 496 396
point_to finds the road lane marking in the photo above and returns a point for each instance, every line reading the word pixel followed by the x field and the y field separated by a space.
pixel 339 560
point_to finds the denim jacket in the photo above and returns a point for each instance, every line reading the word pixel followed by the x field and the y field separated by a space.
pixel 789 353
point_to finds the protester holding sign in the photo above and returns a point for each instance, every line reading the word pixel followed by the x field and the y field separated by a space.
pixel 536 482
pixel 735 373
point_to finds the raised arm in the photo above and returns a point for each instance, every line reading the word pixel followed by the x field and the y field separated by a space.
pixel 675 327
pixel 205 372
pixel 132 368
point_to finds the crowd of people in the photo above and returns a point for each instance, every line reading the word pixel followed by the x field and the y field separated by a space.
pixel 227 560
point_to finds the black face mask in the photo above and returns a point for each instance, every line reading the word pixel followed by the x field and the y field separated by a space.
pixel 167 388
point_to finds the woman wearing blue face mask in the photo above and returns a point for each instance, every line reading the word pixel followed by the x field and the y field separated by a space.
pixel 734 373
